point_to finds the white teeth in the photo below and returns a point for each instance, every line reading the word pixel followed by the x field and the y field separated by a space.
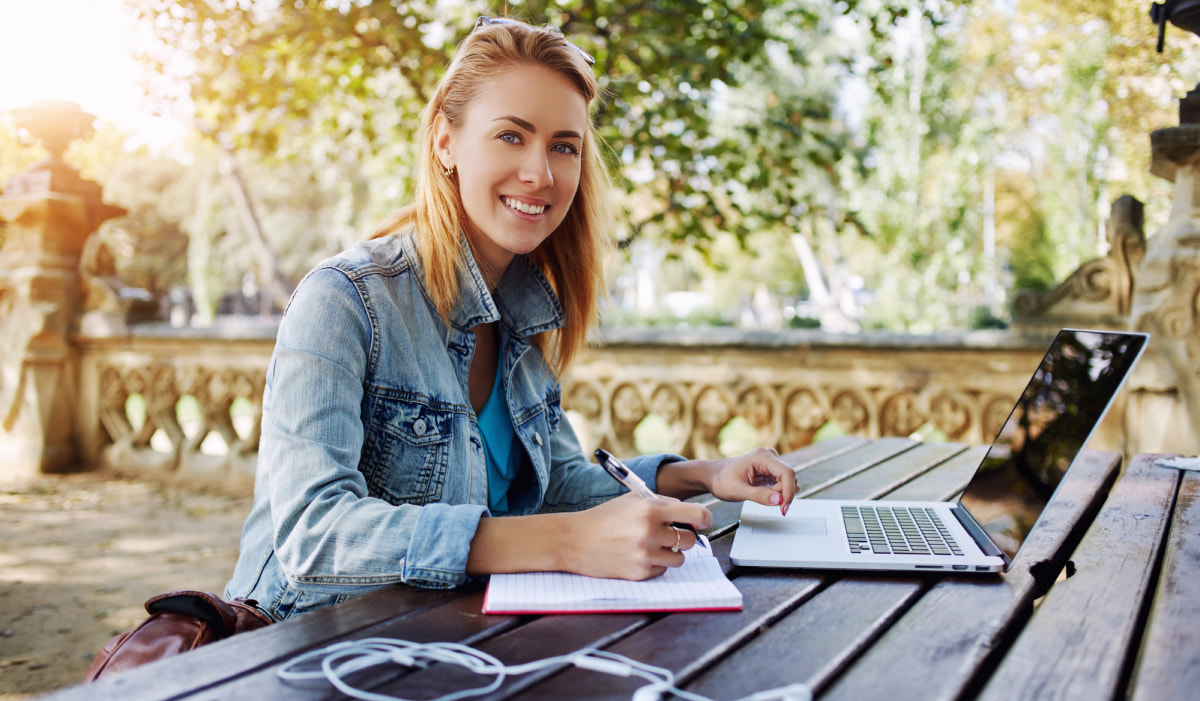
pixel 526 208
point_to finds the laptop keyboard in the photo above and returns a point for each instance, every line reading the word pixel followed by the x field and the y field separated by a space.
pixel 898 530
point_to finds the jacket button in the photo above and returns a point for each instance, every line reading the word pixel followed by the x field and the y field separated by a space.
pixel 419 427
pixel 537 438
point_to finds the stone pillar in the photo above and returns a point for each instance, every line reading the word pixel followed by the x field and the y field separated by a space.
pixel 49 211
pixel 1166 386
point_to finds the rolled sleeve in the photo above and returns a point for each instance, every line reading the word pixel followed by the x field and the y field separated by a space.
pixel 440 543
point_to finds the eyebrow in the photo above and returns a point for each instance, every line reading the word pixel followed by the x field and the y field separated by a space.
pixel 528 126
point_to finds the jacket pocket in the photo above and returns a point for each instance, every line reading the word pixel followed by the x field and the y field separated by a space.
pixel 406 450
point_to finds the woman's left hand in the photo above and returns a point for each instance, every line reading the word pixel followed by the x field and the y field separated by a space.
pixel 758 476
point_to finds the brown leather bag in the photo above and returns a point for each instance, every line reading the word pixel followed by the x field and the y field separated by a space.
pixel 179 621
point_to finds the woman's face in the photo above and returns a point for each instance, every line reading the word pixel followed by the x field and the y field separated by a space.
pixel 518 155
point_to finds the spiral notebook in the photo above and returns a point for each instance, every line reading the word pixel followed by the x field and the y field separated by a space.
pixel 698 584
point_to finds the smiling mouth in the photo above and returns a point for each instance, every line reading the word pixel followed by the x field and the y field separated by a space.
pixel 522 207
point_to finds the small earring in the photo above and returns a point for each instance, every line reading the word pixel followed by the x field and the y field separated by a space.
pixel 449 171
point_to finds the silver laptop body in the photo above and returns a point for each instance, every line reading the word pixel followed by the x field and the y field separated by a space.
pixel 1062 405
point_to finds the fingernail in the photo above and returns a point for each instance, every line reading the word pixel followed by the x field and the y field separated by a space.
pixel 776 499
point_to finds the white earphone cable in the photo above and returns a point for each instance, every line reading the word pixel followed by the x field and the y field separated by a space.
pixel 340 660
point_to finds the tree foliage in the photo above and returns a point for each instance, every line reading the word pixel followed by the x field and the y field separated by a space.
pixel 340 84
pixel 902 138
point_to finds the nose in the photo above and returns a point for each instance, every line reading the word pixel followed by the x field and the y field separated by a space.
pixel 535 170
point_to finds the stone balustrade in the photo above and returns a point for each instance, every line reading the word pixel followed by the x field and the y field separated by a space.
pixel 187 404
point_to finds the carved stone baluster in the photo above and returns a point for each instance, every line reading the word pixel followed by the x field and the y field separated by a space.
pixel 951 413
pixel 216 403
pixel 901 415
pixel 805 413
pixel 667 402
pixel 161 404
pixel 713 410
pixel 853 414
pixel 585 399
pixel 258 382
pixel 114 398
pixel 760 408
pixel 995 414
pixel 49 211
pixel 627 411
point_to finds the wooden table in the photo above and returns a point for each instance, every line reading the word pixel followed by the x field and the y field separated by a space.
pixel 1102 603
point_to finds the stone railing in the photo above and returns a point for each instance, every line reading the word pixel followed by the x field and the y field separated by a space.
pixel 188 404
pixel 174 403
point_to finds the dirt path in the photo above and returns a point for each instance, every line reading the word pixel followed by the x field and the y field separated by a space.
pixel 80 553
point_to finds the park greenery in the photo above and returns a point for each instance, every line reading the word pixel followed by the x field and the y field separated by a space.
pixel 894 164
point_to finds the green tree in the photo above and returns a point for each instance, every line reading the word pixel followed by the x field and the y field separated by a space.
pixel 905 139
pixel 149 243
pixel 340 85
pixel 1078 88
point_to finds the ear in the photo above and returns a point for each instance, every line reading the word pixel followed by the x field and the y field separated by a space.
pixel 443 140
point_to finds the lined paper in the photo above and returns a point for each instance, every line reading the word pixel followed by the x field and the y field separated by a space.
pixel 697 585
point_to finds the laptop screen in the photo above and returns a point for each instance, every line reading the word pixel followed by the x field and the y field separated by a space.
pixel 1051 422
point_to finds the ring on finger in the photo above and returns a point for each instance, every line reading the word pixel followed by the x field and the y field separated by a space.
pixel 675 547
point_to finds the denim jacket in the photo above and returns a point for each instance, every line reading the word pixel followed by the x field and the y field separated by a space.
pixel 371 469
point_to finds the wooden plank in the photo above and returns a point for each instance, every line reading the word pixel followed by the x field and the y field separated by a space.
pixel 1169 664
pixel 686 642
pixel 935 650
pixel 894 473
pixel 819 452
pixel 814 643
pixel 542 638
pixel 1078 643
pixel 458 620
pixel 214 664
pixel 946 482
pixel 820 475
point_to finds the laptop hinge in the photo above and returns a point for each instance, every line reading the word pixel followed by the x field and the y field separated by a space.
pixel 978 534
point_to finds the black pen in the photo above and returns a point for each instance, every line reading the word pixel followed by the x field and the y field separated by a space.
pixel 621 473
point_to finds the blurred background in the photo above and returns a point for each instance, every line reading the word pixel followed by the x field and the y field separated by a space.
pixel 779 163
pixel 838 219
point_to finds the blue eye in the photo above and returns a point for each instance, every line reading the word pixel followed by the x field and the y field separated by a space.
pixel 567 149
pixel 510 137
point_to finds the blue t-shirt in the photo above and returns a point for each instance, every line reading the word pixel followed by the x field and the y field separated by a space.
pixel 500 446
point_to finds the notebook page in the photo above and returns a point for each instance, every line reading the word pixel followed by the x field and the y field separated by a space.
pixel 698 584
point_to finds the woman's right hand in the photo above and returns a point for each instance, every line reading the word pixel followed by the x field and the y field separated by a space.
pixel 631 537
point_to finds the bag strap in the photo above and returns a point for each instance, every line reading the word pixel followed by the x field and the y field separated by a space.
pixel 210 608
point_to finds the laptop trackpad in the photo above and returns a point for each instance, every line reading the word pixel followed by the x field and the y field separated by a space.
pixel 791 526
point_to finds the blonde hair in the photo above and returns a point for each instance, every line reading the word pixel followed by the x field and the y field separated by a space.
pixel 572 257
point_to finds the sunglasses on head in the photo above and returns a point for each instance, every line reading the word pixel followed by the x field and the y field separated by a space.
pixel 485 21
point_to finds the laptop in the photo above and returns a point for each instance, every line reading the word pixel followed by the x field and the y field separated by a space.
pixel 982 531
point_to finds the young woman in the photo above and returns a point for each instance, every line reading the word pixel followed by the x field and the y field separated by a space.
pixel 412 430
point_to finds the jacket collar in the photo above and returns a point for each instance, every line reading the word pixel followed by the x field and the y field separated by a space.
pixel 524 300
